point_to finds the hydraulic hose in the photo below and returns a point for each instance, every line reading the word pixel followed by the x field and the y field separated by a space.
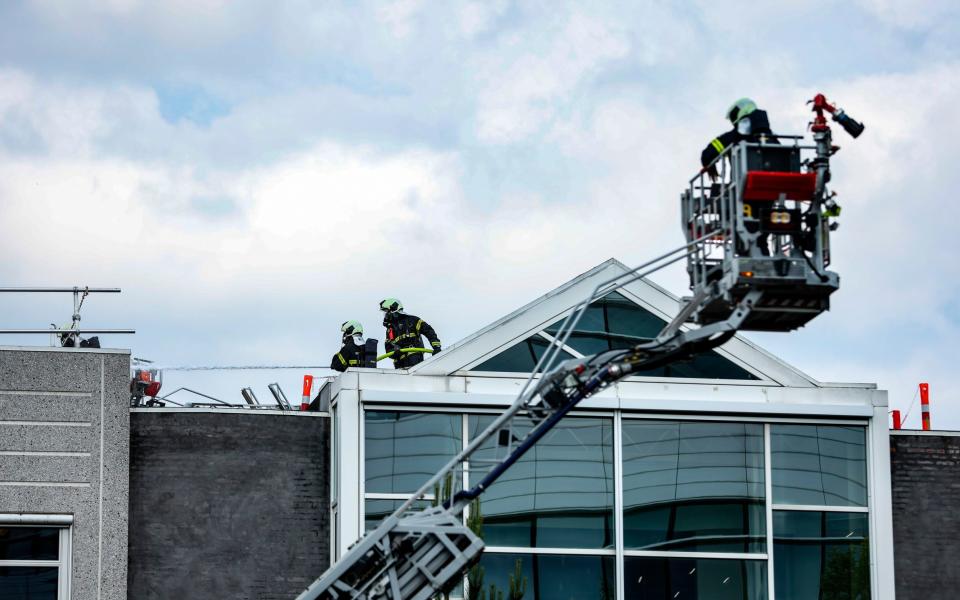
pixel 404 351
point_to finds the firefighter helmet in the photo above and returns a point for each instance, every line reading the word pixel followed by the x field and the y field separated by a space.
pixel 740 109
pixel 389 305
pixel 351 328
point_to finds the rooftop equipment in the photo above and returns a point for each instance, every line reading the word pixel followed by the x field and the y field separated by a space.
pixel 146 383
pixel 279 396
pixel 249 396
pixel 68 335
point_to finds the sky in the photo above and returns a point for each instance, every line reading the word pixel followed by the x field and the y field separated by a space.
pixel 253 174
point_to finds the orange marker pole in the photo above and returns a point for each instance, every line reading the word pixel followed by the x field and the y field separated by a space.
pixel 307 387
pixel 925 405
pixel 896 419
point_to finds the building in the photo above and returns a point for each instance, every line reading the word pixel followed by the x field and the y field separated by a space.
pixel 64 452
pixel 730 476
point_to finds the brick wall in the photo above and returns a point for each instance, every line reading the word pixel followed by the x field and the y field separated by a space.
pixel 226 504
pixel 926 515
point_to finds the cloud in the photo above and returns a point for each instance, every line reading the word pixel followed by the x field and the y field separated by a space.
pixel 521 92
pixel 252 176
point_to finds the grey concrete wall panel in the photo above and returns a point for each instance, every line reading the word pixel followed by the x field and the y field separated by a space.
pixel 227 505
pixel 48 407
pixel 47 468
pixel 64 449
pixel 38 437
pixel 926 523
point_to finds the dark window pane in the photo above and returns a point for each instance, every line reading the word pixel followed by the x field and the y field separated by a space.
pixel 519 358
pixel 551 577
pixel 29 543
pixel 28 583
pixel 693 486
pixel 615 322
pixel 560 494
pixel 695 578
pixel 821 555
pixel 404 449
pixel 824 465
pixel 378 510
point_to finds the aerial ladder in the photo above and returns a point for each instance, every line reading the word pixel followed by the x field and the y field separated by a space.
pixel 757 249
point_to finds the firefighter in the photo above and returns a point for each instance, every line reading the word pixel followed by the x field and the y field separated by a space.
pixel 749 123
pixel 352 353
pixel 403 332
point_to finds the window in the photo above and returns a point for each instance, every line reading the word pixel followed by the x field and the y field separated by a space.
pixel 404 449
pixel 378 510
pixel 560 494
pixel 551 576
pixel 519 358
pixel 654 578
pixel 696 512
pixel 822 465
pixel 34 562
pixel 821 555
pixel 693 486
pixel 612 322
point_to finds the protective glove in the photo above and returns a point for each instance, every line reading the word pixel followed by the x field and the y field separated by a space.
pixel 831 208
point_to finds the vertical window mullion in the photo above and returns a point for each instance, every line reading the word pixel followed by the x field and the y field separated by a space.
pixel 618 500
pixel 66 555
pixel 768 506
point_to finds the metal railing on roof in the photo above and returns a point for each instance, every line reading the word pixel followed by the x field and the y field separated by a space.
pixel 79 294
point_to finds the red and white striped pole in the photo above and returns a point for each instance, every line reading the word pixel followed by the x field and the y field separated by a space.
pixel 307 387
pixel 925 405
pixel 897 423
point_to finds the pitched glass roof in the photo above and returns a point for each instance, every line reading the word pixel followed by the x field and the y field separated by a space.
pixel 610 323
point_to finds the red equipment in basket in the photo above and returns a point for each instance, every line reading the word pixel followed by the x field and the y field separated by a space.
pixel 820 105
pixel 769 185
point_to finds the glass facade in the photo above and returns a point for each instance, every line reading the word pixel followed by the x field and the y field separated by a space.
pixel 404 449
pixel 560 494
pixel 377 510
pixel 693 486
pixel 821 555
pixel 550 576
pixel 656 578
pixel 696 517
pixel 522 357
pixel 610 323
pixel 823 465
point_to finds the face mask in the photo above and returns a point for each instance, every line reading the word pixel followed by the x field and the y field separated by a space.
pixel 358 339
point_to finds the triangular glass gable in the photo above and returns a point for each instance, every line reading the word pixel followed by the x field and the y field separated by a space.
pixel 613 322
pixel 522 357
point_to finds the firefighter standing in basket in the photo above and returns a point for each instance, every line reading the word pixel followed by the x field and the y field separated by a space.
pixel 404 335
pixel 749 123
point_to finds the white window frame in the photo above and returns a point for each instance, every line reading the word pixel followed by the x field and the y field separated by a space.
pixel 65 551
pixel 624 414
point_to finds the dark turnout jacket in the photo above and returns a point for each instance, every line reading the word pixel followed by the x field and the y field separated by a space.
pixel 350 355
pixel 405 331
pixel 757 125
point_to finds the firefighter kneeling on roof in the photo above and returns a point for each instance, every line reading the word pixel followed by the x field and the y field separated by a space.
pixel 404 335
